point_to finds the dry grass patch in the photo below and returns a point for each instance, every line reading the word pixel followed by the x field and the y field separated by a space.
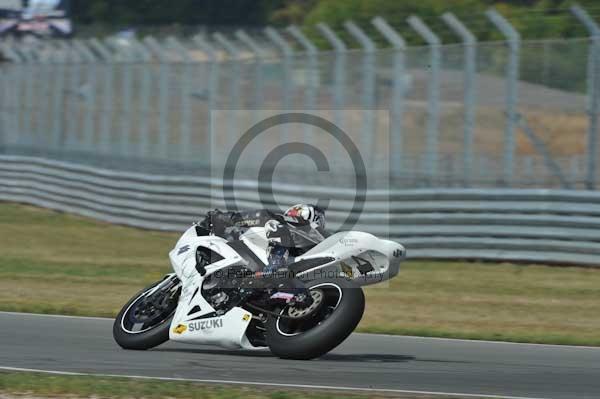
pixel 489 301
pixel 56 263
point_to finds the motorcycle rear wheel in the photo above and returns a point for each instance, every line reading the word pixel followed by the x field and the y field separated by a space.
pixel 316 334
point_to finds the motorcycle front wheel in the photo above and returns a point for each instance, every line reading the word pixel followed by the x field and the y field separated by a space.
pixel 303 334
pixel 144 321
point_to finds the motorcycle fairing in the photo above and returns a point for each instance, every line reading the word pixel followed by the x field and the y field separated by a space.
pixel 228 330
pixel 195 320
pixel 360 256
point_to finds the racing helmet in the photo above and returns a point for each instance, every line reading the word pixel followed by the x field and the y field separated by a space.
pixel 306 214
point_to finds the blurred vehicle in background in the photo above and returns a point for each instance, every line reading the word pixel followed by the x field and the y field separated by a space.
pixel 41 18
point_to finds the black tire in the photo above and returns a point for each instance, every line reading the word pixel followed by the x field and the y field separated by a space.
pixel 325 336
pixel 154 336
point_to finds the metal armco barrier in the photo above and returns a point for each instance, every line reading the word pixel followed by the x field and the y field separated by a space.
pixel 537 225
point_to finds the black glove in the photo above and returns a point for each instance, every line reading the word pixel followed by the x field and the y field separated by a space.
pixel 217 221
pixel 278 234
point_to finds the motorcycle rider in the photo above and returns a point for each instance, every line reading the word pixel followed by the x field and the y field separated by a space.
pixel 307 224
pixel 300 226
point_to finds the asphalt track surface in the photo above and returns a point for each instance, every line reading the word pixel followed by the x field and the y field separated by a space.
pixel 364 362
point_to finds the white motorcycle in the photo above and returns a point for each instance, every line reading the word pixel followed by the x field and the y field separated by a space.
pixel 211 297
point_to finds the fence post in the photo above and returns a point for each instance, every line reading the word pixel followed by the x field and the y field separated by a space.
pixel 339 73
pixel 312 77
pixel 107 94
pixel 12 92
pixel 26 133
pixel 368 89
pixel 38 99
pixel 213 92
pixel 259 55
pixel 512 81
pixel 433 96
pixel 5 96
pixel 19 91
pixel 470 75
pixel 145 94
pixel 43 114
pixel 287 84
pixel 593 89
pixel 58 95
pixel 339 69
pixel 234 81
pixel 90 100
pixel 399 45
pixel 163 93
pixel 73 112
pixel 185 139
pixel 4 109
pixel 126 116
pixel 339 76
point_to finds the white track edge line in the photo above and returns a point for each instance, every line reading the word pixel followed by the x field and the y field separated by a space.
pixel 61 316
pixel 474 341
pixel 273 384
